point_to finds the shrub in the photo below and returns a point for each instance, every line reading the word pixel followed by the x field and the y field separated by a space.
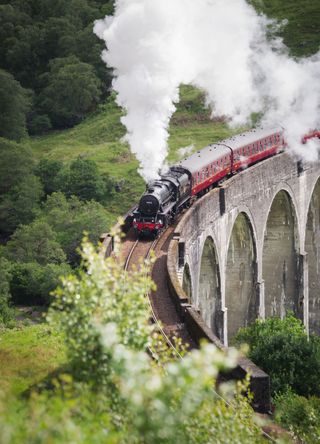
pixel 47 170
pixel 35 243
pixel 14 106
pixel 299 415
pixel 39 124
pixel 21 204
pixel 72 90
pixel 83 179
pixel 31 283
pixel 283 350
pixel 6 312
pixel 16 163
pixel 69 218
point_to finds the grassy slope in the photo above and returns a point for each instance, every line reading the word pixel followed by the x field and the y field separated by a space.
pixel 28 355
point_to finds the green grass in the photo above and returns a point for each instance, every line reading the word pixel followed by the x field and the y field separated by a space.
pixel 301 34
pixel 27 355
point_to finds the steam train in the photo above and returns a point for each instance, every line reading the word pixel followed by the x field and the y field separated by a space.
pixel 197 174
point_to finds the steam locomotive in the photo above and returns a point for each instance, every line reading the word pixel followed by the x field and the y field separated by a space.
pixel 197 174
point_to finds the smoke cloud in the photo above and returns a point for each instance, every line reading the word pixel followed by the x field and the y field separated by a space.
pixel 219 46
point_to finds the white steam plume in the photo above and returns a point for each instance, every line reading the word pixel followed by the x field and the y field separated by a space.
pixel 217 45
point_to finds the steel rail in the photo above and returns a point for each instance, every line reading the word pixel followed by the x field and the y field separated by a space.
pixel 153 314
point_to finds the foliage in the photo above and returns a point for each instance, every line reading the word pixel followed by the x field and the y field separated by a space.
pixel 32 34
pixel 20 190
pixel 39 124
pixel 47 170
pixel 32 283
pixel 14 106
pixel 283 350
pixel 83 179
pixel 72 91
pixel 69 218
pixel 6 312
pixel 101 294
pixel 21 205
pixel 16 163
pixel 104 317
pixel 299 415
pixel 301 23
pixel 35 243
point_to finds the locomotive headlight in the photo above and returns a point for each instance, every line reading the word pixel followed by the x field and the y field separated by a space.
pixel 160 221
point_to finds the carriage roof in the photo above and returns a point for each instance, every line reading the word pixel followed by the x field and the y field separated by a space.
pixel 215 151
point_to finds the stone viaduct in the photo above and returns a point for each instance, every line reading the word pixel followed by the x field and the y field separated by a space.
pixel 250 248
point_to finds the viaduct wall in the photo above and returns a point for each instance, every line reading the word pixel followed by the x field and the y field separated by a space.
pixel 250 248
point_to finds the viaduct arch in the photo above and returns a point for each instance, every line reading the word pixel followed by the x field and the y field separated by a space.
pixel 251 247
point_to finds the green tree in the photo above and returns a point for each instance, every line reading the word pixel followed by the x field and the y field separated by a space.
pixel 283 350
pixel 32 283
pixel 83 179
pixel 21 205
pixel 36 242
pixel 70 218
pixel 14 106
pixel 6 312
pixel 72 90
pixel 47 170
pixel 16 163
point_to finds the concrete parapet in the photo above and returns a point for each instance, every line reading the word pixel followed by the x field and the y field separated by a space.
pixel 259 380
pixel 107 240
pixel 178 295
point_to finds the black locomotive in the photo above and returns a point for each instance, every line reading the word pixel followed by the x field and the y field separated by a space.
pixel 162 200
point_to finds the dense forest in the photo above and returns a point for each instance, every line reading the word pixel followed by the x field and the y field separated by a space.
pixel 63 173
pixel 51 74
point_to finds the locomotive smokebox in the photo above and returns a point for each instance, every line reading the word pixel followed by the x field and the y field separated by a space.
pixel 149 205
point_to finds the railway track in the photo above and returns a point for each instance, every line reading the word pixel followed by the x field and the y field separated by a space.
pixel 137 250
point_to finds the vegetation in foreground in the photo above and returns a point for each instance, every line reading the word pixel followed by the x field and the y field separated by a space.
pixel 110 390
pixel 282 348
